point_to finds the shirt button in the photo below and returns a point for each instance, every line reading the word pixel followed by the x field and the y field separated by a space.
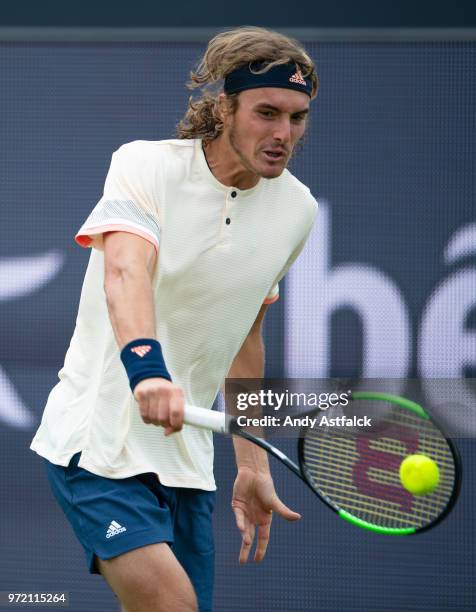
pixel 228 221
pixel 233 194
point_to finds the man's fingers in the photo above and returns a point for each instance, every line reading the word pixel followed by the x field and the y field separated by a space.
pixel 153 408
pixel 145 410
pixel 262 544
pixel 244 526
pixel 240 518
pixel 163 412
pixel 247 531
pixel 175 413
pixel 284 511
pixel 247 542
pixel 244 553
pixel 161 403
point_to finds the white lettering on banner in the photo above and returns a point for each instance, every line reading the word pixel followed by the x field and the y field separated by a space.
pixel 21 276
pixel 322 290
pixel 13 411
pixel 445 346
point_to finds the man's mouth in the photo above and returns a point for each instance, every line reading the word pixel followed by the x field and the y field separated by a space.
pixel 274 155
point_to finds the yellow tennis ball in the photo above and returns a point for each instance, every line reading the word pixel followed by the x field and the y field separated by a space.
pixel 419 474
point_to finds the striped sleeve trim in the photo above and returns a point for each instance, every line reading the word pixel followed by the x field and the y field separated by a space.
pixel 83 238
pixel 119 215
pixel 271 300
pixel 273 295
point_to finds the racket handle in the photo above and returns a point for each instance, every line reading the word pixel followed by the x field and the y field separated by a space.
pixel 207 419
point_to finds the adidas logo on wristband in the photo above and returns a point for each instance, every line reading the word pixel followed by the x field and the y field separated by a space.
pixel 139 369
pixel 141 350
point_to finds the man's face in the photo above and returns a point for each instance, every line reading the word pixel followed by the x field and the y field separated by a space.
pixel 266 127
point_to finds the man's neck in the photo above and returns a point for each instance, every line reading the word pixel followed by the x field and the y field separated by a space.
pixel 226 166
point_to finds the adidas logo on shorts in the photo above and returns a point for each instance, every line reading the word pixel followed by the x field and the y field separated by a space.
pixel 114 529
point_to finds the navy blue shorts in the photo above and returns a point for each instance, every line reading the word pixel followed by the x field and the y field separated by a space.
pixel 112 516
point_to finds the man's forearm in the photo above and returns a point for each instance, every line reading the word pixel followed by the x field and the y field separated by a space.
pixel 249 363
pixel 248 455
pixel 130 305
pixel 129 264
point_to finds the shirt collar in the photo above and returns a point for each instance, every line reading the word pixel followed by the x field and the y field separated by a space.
pixel 206 174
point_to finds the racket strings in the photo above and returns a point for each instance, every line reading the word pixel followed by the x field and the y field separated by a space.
pixel 357 470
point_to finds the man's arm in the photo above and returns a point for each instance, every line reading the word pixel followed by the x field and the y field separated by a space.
pixel 249 363
pixel 254 497
pixel 129 266
pixel 129 263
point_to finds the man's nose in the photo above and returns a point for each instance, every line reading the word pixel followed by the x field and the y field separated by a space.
pixel 282 130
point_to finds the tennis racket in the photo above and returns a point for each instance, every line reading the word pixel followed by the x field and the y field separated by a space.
pixel 355 470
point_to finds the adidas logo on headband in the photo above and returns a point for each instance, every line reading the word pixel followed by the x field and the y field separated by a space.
pixel 250 76
pixel 297 78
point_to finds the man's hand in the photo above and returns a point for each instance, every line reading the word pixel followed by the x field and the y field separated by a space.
pixel 160 403
pixel 254 501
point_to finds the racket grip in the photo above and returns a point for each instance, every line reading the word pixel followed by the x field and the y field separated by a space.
pixel 206 419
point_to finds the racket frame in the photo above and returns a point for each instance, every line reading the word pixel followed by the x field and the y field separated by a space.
pixel 412 406
pixel 220 422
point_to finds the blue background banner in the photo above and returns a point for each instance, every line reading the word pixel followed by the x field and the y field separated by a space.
pixel 385 287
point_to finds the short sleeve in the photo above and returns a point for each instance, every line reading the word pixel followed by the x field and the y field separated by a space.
pixel 128 203
pixel 273 294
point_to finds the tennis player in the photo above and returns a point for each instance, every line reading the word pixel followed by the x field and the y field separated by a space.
pixel 190 241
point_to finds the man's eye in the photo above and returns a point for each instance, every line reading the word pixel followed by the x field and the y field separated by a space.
pixel 268 114
pixel 298 118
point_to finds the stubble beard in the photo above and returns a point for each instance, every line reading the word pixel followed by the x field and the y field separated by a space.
pixel 234 145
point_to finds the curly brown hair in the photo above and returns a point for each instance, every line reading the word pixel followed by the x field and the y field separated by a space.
pixel 226 52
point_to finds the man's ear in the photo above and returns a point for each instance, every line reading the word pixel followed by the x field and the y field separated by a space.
pixel 225 108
